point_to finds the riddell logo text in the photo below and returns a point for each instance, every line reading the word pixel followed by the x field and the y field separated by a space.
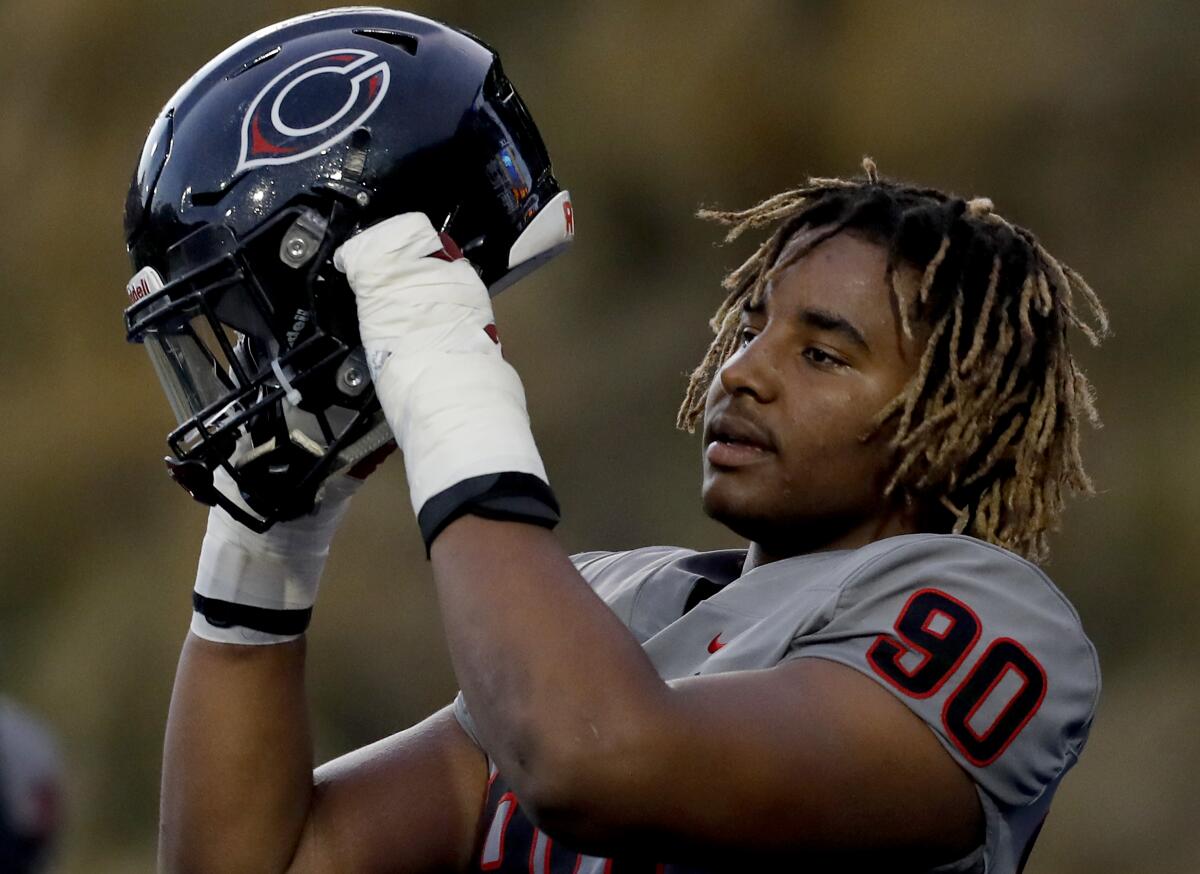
pixel 299 323
pixel 138 290
pixel 143 284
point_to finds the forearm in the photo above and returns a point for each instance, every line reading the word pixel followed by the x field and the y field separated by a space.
pixel 553 679
pixel 237 765
pixel 529 639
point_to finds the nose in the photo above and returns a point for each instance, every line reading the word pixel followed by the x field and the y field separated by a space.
pixel 751 371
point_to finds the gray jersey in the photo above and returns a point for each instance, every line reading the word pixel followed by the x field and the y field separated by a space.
pixel 973 639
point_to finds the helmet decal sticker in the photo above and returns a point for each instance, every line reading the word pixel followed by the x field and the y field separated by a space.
pixel 143 284
pixel 510 179
pixel 568 218
pixel 303 111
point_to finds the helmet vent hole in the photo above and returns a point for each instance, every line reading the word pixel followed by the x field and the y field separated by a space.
pixel 206 198
pixel 264 57
pixel 398 38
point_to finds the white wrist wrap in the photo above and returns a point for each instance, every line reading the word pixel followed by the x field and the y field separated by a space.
pixel 456 407
pixel 277 570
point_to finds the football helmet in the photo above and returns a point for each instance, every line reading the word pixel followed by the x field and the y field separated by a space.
pixel 255 171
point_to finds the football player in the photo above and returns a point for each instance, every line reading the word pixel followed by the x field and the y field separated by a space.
pixel 31 792
pixel 890 416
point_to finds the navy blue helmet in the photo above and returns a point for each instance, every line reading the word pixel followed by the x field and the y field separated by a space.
pixel 255 171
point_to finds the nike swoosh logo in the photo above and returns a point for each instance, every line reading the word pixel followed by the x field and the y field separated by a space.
pixel 715 644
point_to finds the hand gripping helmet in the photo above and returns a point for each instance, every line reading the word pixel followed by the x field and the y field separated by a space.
pixel 258 168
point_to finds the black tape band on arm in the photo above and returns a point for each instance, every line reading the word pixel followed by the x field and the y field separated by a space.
pixel 226 614
pixel 509 497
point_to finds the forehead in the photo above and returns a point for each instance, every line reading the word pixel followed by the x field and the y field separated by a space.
pixel 845 274
pixel 845 269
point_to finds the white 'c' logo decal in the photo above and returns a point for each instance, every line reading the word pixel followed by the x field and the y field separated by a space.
pixel 278 131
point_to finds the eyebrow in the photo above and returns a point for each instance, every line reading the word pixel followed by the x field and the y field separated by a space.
pixel 822 320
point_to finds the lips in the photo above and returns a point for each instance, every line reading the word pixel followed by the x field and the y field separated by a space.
pixel 734 441
pixel 731 428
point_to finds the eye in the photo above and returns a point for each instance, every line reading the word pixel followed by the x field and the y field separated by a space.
pixel 745 336
pixel 821 358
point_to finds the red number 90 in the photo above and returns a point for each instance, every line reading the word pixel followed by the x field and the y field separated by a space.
pixel 943 630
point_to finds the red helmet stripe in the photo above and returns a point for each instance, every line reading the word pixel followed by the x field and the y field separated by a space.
pixel 260 145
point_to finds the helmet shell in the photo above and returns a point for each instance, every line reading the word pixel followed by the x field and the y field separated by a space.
pixel 450 137
pixel 254 172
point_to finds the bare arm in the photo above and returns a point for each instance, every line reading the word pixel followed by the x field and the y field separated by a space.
pixel 239 794
pixel 237 765
pixel 809 758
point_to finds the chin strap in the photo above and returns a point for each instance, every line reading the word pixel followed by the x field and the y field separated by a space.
pixel 293 397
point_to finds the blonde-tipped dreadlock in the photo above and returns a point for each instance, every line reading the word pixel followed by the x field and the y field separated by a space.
pixel 988 427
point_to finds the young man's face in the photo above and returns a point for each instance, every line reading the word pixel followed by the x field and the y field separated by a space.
pixel 784 461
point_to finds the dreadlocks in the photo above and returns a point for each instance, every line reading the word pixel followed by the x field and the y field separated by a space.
pixel 988 426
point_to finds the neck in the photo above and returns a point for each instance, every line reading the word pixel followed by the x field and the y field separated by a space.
pixel 899 521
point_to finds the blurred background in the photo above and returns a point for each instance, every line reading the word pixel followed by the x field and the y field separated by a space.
pixel 1081 121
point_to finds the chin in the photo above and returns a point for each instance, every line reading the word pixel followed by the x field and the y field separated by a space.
pixel 780 530
pixel 742 515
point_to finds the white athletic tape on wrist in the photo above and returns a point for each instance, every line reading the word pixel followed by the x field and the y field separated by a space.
pixel 279 570
pixel 456 406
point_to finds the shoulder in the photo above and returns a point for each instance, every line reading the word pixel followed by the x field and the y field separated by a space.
pixel 993 578
pixel 935 548
pixel 937 552
pixel 988 586
pixel 908 562
pixel 648 588
pixel 990 579
pixel 599 563
pixel 612 573
pixel 976 640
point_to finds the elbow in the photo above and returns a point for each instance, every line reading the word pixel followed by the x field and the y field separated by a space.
pixel 576 784
pixel 563 802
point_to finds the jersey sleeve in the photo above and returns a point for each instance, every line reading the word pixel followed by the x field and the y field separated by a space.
pixel 980 645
